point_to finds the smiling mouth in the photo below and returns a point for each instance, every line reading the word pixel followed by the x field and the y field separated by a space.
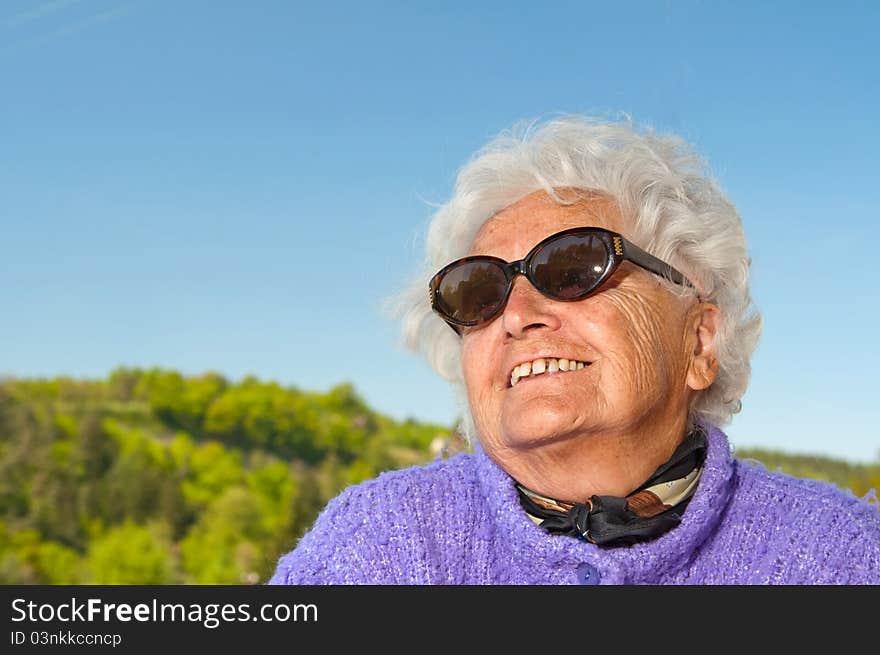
pixel 542 367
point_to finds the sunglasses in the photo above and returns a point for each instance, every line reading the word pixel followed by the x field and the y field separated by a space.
pixel 568 265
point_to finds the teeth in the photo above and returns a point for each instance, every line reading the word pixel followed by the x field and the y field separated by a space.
pixel 539 366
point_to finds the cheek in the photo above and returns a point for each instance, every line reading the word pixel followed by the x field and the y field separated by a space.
pixel 641 341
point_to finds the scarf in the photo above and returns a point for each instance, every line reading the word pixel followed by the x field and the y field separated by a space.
pixel 651 510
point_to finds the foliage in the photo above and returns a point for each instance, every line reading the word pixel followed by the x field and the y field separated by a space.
pixel 152 477
pixel 131 554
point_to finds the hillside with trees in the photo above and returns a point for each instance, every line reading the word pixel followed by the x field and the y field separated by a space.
pixel 151 477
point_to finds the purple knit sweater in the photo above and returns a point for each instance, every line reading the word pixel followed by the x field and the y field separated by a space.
pixel 459 521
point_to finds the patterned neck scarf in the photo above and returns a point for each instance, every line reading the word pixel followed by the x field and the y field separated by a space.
pixel 651 510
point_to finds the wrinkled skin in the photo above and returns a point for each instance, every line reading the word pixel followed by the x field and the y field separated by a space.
pixel 603 429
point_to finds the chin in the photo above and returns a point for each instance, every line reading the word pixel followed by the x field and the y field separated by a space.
pixel 539 426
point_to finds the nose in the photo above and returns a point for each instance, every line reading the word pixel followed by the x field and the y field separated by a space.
pixel 528 309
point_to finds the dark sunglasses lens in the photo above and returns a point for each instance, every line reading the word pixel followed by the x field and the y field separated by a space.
pixel 570 266
pixel 472 291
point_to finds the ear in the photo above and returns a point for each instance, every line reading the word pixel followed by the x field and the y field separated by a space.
pixel 703 325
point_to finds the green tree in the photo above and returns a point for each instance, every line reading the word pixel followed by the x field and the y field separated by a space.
pixel 224 545
pixel 25 558
pixel 131 554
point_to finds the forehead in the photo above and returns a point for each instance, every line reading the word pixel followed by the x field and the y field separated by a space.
pixel 513 231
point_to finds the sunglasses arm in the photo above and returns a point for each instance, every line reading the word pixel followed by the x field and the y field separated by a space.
pixel 455 328
pixel 647 261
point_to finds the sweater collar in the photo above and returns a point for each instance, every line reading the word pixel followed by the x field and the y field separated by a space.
pixel 532 548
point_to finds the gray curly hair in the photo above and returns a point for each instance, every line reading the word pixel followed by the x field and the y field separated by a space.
pixel 676 211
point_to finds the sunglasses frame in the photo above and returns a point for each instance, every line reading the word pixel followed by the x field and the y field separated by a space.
pixel 617 247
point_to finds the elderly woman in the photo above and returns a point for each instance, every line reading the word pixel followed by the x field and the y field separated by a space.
pixel 588 296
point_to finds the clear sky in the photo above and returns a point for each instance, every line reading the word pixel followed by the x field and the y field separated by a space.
pixel 236 186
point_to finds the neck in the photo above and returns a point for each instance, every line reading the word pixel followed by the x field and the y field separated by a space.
pixel 611 463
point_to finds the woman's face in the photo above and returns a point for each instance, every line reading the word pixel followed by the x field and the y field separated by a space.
pixel 633 333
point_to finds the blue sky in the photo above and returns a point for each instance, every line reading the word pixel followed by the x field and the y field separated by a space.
pixel 181 183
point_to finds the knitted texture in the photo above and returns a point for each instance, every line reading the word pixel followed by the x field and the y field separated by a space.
pixel 459 521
